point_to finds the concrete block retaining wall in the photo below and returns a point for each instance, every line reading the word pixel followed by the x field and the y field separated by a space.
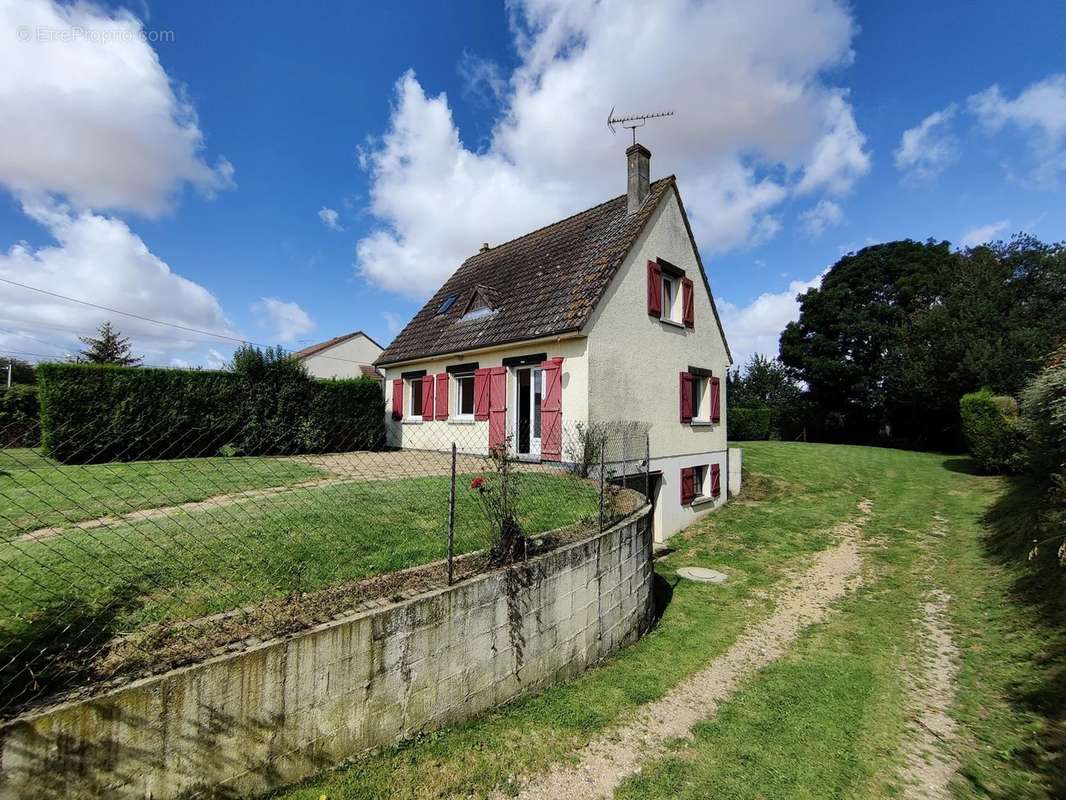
pixel 285 709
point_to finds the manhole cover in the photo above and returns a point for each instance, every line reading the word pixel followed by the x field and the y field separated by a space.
pixel 702 575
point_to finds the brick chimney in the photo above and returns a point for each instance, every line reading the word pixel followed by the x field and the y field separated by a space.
pixel 638 159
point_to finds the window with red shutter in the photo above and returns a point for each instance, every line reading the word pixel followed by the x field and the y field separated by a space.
pixel 397 399
pixel 655 289
pixel 688 485
pixel 481 394
pixel 685 386
pixel 716 400
pixel 440 396
pixel 716 480
pixel 688 312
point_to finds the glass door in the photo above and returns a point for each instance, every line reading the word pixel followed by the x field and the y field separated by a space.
pixel 529 389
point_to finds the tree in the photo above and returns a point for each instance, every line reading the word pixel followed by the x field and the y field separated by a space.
pixel 110 347
pixel 22 372
pixel 899 332
pixel 765 382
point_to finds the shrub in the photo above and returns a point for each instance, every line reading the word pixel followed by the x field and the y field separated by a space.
pixel 748 424
pixel 93 413
pixel 993 431
pixel 1044 416
pixel 19 417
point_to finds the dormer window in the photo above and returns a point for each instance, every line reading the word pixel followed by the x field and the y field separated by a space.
pixel 479 305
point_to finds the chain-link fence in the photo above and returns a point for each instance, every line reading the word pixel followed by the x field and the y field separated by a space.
pixel 133 565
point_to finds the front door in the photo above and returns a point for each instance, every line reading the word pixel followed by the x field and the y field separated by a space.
pixel 528 395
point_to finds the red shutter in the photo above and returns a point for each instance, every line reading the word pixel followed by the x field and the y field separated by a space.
pixel 397 399
pixel 427 397
pixel 716 400
pixel 688 313
pixel 688 485
pixel 441 396
pixel 481 394
pixel 716 480
pixel 655 289
pixel 497 406
pixel 685 387
pixel 551 410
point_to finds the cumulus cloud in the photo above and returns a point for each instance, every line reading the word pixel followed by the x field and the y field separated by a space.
pixel 826 214
pixel 984 233
pixel 928 148
pixel 1039 112
pixel 756 327
pixel 330 218
pixel 96 121
pixel 756 123
pixel 285 321
pixel 99 259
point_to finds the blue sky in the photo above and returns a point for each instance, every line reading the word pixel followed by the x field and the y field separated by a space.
pixel 284 177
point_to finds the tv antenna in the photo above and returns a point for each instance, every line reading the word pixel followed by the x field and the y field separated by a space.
pixel 634 122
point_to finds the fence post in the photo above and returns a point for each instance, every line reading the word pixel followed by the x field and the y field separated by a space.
pixel 451 522
pixel 603 447
pixel 647 466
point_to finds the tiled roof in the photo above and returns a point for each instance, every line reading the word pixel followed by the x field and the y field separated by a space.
pixel 545 283
pixel 318 348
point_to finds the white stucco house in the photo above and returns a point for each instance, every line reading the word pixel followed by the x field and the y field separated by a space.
pixel 605 315
pixel 350 355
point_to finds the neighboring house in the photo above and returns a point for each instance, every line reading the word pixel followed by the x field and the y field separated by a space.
pixel 605 315
pixel 349 356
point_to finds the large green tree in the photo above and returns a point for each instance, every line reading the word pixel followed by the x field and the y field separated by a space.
pixel 898 332
pixel 765 382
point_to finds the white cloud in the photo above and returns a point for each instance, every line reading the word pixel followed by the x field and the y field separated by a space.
pixel 826 214
pixel 99 259
pixel 330 218
pixel 983 233
pixel 1038 111
pixel 98 122
pixel 285 321
pixel 757 327
pixel 756 123
pixel 394 322
pixel 928 148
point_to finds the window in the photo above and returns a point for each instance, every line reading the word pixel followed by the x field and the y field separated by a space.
pixel 449 301
pixel 699 480
pixel 464 395
pixel 670 300
pixel 700 402
pixel 414 392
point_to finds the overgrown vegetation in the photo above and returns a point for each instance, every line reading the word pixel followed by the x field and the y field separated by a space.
pixel 267 404
pixel 19 416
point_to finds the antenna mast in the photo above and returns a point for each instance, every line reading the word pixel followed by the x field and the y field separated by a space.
pixel 635 121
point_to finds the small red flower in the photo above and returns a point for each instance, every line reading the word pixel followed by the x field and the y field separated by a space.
pixel 478 483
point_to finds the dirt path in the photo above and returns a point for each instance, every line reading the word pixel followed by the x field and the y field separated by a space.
pixel 930 763
pixel 618 753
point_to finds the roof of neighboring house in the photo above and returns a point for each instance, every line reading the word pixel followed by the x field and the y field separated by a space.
pixel 369 371
pixel 314 349
pixel 545 283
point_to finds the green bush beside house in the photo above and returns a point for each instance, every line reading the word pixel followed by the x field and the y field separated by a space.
pixel 993 431
pixel 748 424
pixel 268 405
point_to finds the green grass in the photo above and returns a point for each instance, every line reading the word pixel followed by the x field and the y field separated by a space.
pixel 36 492
pixel 827 720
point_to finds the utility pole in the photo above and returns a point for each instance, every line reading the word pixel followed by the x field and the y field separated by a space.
pixel 9 373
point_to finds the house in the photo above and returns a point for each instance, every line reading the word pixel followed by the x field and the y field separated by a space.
pixel 605 315
pixel 349 356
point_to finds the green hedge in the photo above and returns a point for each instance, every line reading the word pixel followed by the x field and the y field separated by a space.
pixel 19 414
pixel 93 413
pixel 1044 413
pixel 748 424
pixel 993 431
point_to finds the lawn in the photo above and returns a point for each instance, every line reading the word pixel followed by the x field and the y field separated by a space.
pixel 116 579
pixel 36 492
pixel 827 720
